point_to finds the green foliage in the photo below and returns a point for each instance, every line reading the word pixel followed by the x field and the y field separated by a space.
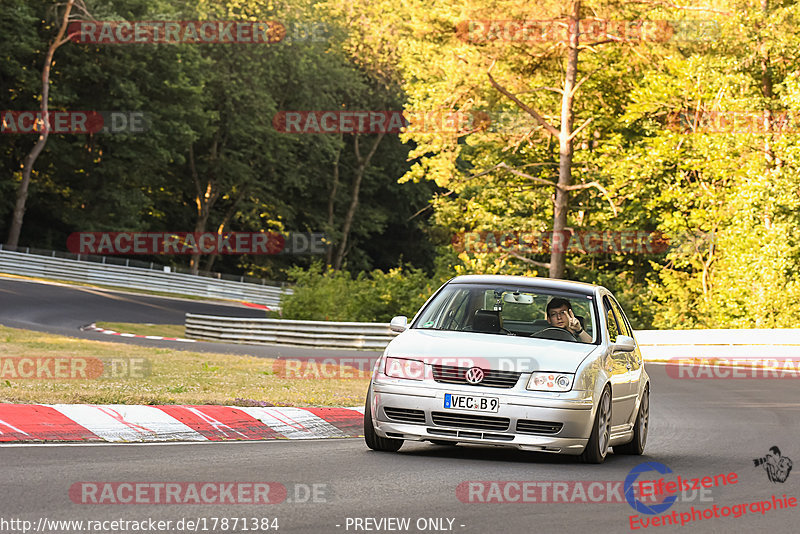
pixel 374 297
pixel 642 169
pixel 215 102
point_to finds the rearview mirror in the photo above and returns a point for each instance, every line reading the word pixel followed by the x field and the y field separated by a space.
pixel 399 323
pixel 516 298
pixel 624 344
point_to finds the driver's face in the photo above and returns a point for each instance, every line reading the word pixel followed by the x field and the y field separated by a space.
pixel 558 316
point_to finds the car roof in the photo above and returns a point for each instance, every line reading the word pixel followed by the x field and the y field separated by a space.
pixel 529 281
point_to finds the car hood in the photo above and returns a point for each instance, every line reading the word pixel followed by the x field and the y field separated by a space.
pixel 489 351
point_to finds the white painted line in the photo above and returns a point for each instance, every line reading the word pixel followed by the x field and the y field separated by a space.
pixel 94 328
pixel 260 442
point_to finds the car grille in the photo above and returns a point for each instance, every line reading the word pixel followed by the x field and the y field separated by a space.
pixel 478 422
pixel 405 415
pixel 467 434
pixel 492 378
pixel 527 426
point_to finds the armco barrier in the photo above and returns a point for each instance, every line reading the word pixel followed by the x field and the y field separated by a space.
pixel 137 278
pixel 373 336
pixel 722 343
pixel 654 344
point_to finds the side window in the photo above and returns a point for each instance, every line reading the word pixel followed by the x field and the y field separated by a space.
pixel 611 320
pixel 624 327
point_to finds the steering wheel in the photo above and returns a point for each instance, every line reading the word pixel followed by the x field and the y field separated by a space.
pixel 555 333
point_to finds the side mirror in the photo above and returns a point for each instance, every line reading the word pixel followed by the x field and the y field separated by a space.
pixel 399 323
pixel 624 344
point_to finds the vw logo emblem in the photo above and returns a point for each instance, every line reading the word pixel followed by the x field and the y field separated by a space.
pixel 474 375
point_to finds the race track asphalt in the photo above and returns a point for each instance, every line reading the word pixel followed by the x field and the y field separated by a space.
pixel 700 428
pixel 64 309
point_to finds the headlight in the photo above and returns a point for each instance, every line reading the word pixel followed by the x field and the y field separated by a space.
pixel 550 381
pixel 402 368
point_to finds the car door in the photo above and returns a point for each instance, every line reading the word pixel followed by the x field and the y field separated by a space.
pixel 618 364
pixel 635 357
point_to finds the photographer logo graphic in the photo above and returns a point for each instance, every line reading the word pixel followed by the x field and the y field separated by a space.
pixel 777 467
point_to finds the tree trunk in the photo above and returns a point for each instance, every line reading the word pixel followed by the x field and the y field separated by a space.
pixel 772 162
pixel 30 159
pixel 205 197
pixel 766 92
pixel 351 210
pixel 223 225
pixel 561 203
pixel 332 202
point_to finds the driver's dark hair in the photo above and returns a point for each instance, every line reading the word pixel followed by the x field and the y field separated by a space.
pixel 557 302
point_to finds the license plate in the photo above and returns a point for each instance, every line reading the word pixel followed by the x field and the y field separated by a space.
pixel 474 404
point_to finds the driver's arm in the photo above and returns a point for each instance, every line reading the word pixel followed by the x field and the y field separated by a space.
pixel 584 336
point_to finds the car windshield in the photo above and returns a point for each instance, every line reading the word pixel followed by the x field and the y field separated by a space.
pixel 517 311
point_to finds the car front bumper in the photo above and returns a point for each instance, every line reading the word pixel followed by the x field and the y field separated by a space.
pixel 572 410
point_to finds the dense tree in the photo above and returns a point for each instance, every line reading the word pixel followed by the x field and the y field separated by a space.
pixel 211 158
pixel 574 117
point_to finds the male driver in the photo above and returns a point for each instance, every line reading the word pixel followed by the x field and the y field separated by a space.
pixel 559 314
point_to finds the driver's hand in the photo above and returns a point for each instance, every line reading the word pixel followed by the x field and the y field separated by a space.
pixel 574 325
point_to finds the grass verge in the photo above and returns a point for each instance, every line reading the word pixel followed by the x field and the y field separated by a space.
pixel 143 375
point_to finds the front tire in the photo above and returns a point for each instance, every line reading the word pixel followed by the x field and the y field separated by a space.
pixel 372 439
pixel 597 447
pixel 640 427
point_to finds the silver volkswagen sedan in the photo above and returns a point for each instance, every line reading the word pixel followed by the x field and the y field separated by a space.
pixel 533 363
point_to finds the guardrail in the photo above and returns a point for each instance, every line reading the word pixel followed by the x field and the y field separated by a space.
pixel 654 344
pixel 719 343
pixel 56 268
pixel 373 336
